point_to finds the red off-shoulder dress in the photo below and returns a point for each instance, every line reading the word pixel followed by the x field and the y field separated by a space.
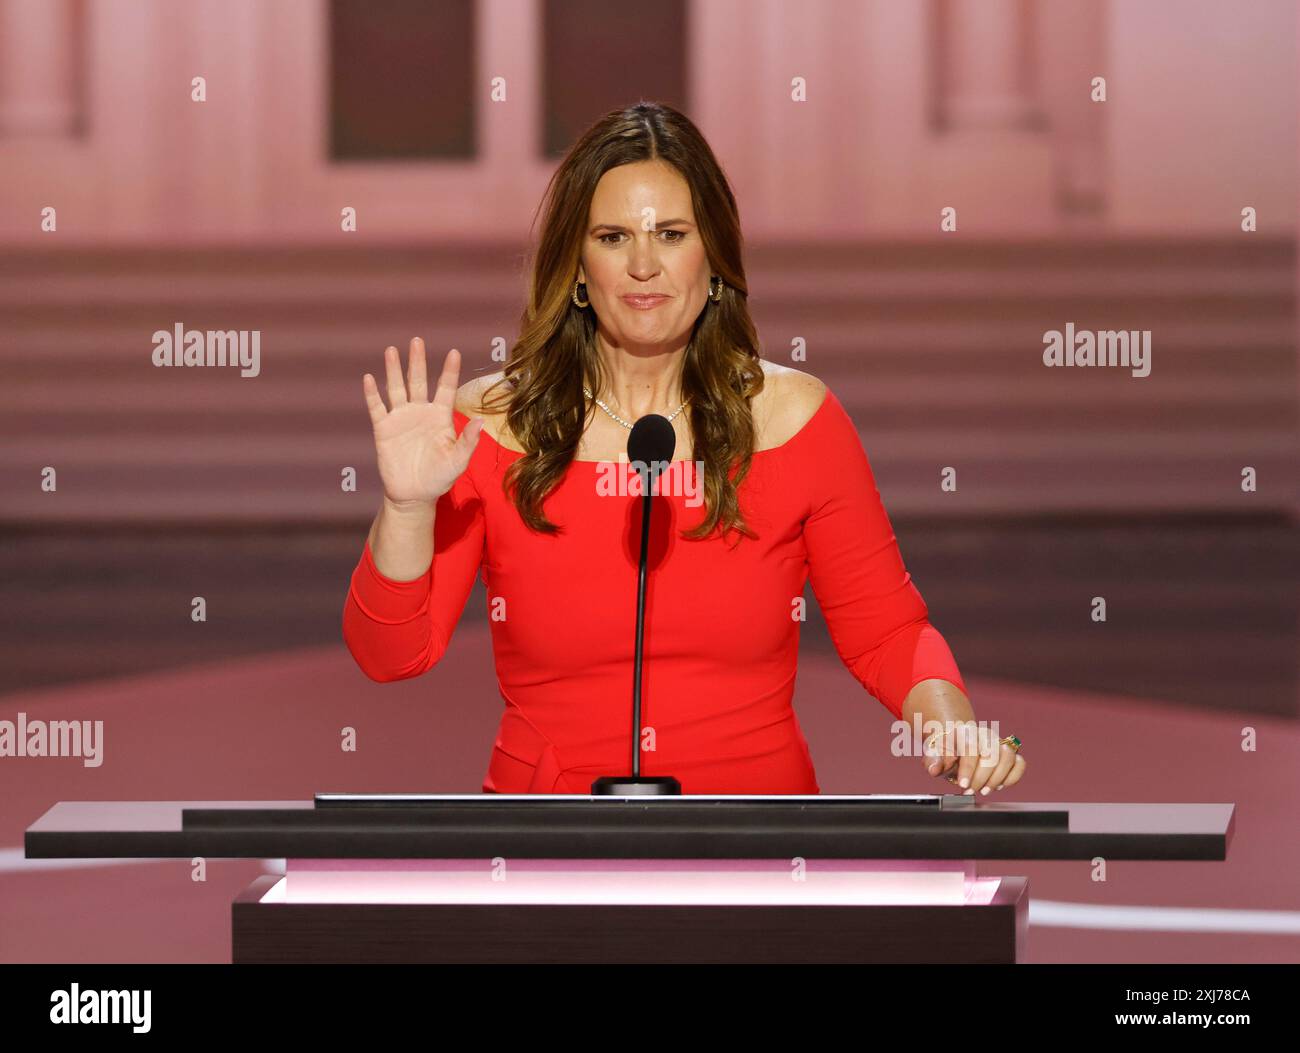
pixel 721 619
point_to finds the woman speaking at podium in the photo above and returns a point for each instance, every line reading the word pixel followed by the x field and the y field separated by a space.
pixel 637 305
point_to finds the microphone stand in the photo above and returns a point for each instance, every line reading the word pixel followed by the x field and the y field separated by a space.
pixel 636 784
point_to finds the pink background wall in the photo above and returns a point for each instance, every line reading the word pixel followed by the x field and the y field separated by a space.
pixel 1200 120
pixel 1123 214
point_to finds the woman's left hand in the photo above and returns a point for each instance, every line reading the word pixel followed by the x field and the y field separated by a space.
pixel 972 752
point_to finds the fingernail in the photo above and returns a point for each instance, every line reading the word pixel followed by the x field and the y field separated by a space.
pixel 965 781
pixel 968 793
pixel 985 791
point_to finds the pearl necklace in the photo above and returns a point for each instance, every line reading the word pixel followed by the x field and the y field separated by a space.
pixel 620 419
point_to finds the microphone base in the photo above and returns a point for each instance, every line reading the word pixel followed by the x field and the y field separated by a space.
pixel 627 786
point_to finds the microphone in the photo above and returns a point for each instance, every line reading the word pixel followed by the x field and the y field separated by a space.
pixel 650 449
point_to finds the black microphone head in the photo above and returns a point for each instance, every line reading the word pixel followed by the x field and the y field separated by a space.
pixel 652 441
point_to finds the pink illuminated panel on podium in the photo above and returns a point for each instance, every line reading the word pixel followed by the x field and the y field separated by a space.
pixel 739 882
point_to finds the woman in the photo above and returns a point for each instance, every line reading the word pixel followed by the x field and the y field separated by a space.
pixel 637 306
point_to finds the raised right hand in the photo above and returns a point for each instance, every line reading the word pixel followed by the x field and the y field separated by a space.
pixel 416 446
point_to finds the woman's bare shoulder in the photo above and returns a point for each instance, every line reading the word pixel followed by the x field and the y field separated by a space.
pixel 470 399
pixel 470 395
pixel 788 401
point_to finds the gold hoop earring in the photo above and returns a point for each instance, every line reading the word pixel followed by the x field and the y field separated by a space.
pixel 716 297
pixel 574 295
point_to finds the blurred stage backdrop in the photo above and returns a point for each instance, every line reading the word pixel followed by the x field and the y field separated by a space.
pixel 927 188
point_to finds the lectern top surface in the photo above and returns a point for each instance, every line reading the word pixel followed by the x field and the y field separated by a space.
pixel 688 798
pixel 462 826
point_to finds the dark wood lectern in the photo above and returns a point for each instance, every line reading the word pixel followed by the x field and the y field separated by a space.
pixel 689 879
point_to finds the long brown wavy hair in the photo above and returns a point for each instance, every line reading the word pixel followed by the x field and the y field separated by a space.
pixel 556 353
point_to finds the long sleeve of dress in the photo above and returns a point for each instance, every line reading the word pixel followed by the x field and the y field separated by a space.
pixel 877 619
pixel 399 629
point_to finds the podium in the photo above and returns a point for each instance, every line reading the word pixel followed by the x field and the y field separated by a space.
pixel 540 878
